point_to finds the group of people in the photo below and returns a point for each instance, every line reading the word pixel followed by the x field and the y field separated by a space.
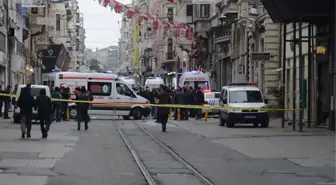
pixel 42 104
pixel 182 96
pixel 60 108
pixel 48 110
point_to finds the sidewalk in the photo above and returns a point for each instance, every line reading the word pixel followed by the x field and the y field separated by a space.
pixel 315 147
pixel 252 155
pixel 211 128
pixel 30 161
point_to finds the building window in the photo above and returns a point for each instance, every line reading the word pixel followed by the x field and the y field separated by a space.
pixel 205 10
pixel 2 42
pixel 189 11
pixel 170 14
pixel 58 22
pixel 262 45
pixel 170 45
pixel 170 49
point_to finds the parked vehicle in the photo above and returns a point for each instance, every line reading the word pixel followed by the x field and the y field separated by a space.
pixel 106 89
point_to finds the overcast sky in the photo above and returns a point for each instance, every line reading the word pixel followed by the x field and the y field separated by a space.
pixel 100 23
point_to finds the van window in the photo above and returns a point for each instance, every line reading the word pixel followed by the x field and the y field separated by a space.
pixel 34 91
pixel 123 89
pixel 100 88
pixel 245 96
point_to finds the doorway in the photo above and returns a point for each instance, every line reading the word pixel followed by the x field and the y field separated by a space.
pixel 323 94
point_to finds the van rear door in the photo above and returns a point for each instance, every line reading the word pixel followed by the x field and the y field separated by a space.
pixel 102 95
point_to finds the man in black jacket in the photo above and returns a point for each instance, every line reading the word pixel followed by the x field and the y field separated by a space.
pixel 26 102
pixel 44 111
pixel 82 108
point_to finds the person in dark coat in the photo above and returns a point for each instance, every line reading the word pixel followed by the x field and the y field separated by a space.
pixel 44 111
pixel 57 104
pixel 180 100
pixel 164 98
pixel 26 102
pixel 82 109
pixel 7 101
pixel 65 96
pixel 1 100
pixel 199 101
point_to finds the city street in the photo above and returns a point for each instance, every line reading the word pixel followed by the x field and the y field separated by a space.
pixel 190 153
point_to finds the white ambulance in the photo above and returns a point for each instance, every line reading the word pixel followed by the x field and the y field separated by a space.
pixel 105 88
pixel 154 82
pixel 195 79
pixel 129 81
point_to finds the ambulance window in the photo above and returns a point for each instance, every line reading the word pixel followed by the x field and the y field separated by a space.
pixel 224 94
pixel 123 89
pixel 100 88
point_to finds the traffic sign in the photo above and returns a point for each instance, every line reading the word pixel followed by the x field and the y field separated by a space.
pixel 260 56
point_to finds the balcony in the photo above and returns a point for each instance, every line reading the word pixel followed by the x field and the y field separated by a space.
pixel 223 37
pixel 69 13
pixel 231 9
pixel 169 58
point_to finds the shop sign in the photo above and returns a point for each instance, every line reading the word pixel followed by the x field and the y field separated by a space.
pixel 321 50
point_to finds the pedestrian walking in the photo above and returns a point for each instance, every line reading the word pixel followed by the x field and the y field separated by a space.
pixel 7 100
pixel 1 100
pixel 44 111
pixel 200 102
pixel 164 98
pixel 65 96
pixel 26 102
pixel 90 104
pixel 82 109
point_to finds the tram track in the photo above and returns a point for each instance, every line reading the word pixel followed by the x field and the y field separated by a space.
pixel 144 170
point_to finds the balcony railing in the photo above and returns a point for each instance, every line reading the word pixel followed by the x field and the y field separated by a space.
pixel 223 37
pixel 169 56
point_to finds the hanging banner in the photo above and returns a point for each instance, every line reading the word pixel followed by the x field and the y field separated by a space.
pixel 32 3
pixel 136 46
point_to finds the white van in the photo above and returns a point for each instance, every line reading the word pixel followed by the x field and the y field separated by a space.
pixel 105 88
pixel 243 95
pixel 35 91
pixel 195 79
pixel 129 81
pixel 154 82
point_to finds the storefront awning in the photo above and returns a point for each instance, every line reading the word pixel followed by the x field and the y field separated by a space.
pixel 312 11
pixel 56 56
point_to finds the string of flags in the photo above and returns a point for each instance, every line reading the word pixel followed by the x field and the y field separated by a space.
pixel 178 29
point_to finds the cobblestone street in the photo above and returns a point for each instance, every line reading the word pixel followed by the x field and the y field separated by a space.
pixel 224 156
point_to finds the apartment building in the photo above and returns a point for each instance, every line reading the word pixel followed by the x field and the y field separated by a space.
pixel 108 57
pixel 18 57
pixel 80 43
pixel 3 43
pixel 125 44
pixel 182 14
pixel 253 54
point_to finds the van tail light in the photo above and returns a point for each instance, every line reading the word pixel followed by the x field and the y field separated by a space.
pixel 207 91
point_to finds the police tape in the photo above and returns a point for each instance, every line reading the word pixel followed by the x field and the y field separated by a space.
pixel 204 107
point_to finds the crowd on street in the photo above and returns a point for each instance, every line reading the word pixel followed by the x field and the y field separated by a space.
pixel 47 110
pixel 181 96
